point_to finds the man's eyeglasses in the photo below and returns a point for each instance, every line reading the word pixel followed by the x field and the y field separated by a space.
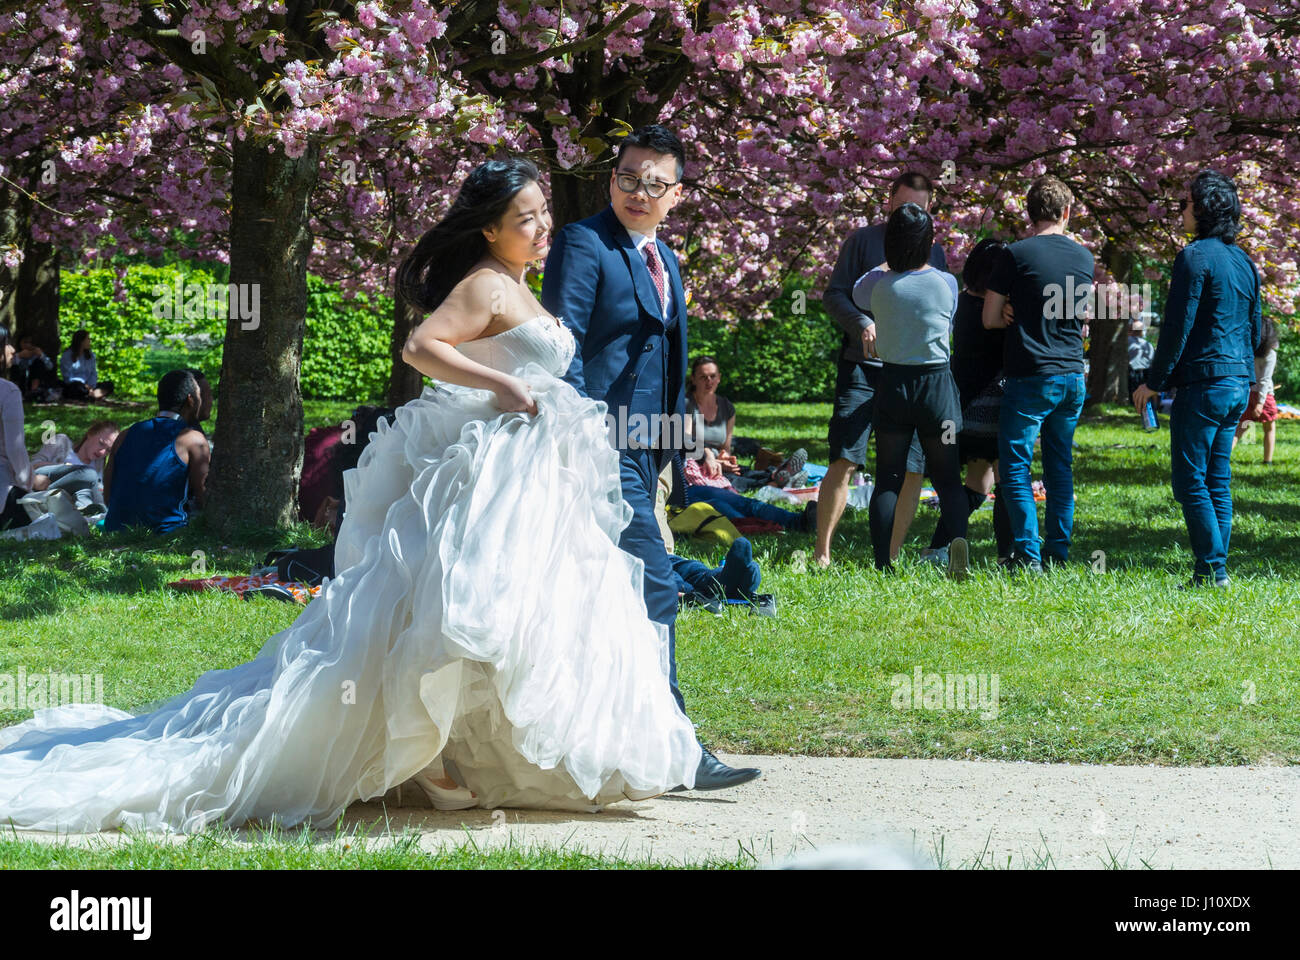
pixel 630 182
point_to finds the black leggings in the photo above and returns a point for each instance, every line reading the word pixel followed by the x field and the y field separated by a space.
pixel 891 463
pixel 76 390
pixel 921 400
pixel 1001 522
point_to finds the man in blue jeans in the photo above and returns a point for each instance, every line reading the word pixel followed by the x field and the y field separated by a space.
pixel 1047 281
pixel 1213 323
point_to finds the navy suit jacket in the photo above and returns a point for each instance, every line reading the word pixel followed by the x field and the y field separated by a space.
pixel 627 354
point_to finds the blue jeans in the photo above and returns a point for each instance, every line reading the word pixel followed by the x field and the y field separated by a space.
pixel 1030 405
pixel 739 574
pixel 1201 426
pixel 733 506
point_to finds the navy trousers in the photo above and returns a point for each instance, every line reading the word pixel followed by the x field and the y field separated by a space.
pixel 640 476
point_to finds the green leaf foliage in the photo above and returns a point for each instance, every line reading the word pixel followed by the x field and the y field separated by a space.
pixel 136 339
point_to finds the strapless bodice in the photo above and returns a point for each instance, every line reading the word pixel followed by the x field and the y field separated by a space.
pixel 539 340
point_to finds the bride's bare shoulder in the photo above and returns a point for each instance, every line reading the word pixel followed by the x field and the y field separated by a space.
pixel 482 286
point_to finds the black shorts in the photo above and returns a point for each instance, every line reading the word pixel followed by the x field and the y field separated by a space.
pixel 851 417
pixel 921 398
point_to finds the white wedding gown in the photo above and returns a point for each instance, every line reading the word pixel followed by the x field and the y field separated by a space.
pixel 482 613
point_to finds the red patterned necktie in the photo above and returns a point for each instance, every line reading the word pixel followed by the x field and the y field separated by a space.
pixel 657 275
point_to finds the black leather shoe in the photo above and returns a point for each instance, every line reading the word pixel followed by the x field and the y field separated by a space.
pixel 713 774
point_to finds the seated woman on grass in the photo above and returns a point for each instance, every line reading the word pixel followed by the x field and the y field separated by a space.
pixel 716 418
pixel 80 371
pixel 76 468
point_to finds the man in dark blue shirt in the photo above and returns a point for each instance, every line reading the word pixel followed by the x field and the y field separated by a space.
pixel 155 465
pixel 1213 323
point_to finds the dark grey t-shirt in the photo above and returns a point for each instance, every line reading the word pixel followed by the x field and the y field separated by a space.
pixel 714 433
pixel 1048 279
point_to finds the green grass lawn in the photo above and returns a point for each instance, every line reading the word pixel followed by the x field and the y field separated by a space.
pixel 222 849
pixel 1117 667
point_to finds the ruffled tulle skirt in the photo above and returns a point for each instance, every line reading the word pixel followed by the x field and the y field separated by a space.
pixel 482 613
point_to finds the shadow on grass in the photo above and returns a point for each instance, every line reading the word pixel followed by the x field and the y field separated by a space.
pixel 47 577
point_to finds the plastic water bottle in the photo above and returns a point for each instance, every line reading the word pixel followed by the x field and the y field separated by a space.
pixel 1150 419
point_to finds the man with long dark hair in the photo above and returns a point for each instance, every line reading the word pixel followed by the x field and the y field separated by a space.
pixel 1213 323
pixel 619 289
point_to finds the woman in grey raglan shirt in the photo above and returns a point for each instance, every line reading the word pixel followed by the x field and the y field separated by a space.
pixel 913 305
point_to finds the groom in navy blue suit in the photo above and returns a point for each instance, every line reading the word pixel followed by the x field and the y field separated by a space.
pixel 619 289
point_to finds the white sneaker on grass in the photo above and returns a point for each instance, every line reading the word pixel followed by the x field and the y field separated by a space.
pixel 958 559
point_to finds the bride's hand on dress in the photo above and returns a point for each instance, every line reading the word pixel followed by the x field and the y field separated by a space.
pixel 514 397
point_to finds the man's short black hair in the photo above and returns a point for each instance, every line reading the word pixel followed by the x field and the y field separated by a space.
pixel 174 388
pixel 199 376
pixel 656 139
pixel 913 181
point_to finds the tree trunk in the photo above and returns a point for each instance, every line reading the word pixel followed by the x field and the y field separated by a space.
pixel 13 233
pixel 405 382
pixel 37 297
pixel 576 195
pixel 1108 337
pixel 29 295
pixel 257 448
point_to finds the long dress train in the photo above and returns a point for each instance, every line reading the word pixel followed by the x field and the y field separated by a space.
pixel 482 614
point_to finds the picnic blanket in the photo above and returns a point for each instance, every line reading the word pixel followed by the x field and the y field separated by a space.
pixel 240 586
pixel 931 499
pixel 752 526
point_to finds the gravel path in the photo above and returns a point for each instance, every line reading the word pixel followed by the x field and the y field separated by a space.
pixel 897 812
pixel 1188 817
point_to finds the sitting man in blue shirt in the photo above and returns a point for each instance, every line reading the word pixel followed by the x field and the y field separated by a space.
pixel 157 464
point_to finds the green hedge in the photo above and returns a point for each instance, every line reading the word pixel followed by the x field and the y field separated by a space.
pixel 789 358
pixel 345 351
pixel 345 354
pixel 118 328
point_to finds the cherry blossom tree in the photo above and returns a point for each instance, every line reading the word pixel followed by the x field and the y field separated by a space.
pixel 285 135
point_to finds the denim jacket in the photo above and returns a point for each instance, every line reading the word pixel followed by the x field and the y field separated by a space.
pixel 1213 321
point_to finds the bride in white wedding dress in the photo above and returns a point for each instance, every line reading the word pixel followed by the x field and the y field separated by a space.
pixel 482 612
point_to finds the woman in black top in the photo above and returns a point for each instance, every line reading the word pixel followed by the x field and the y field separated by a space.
pixel 977 368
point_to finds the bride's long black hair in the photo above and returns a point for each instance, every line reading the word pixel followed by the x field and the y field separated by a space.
pixel 455 243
